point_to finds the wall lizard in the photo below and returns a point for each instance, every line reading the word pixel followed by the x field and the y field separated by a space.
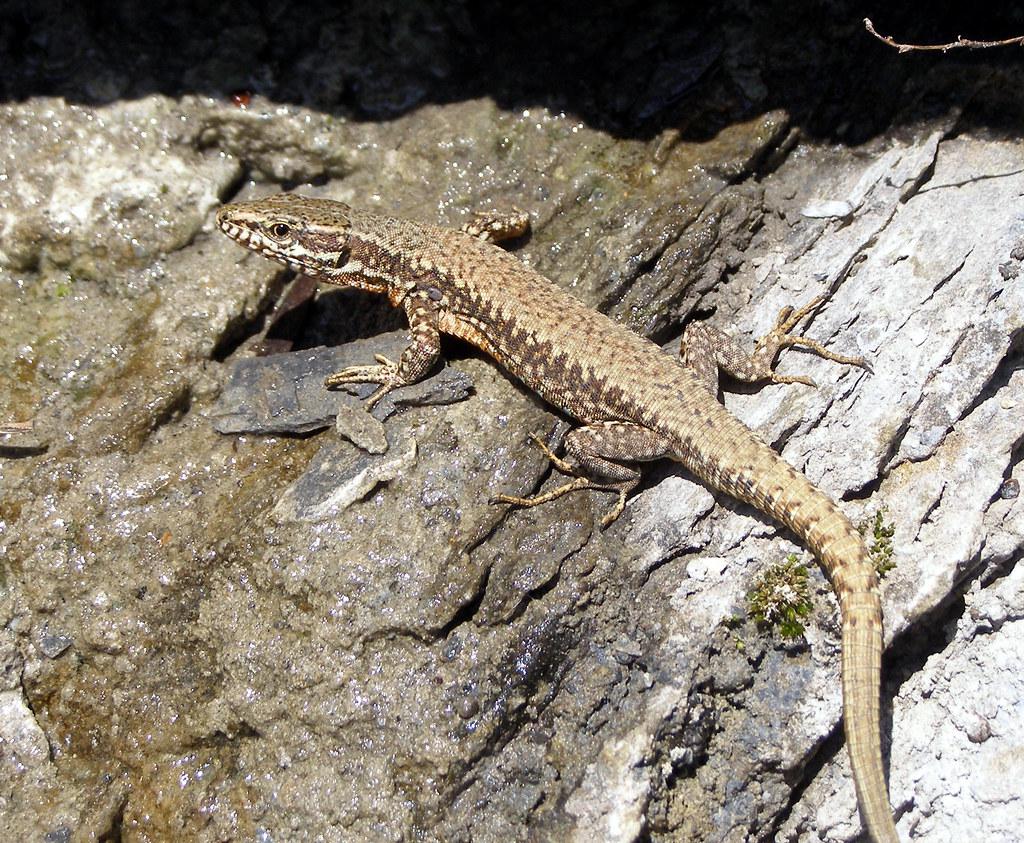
pixel 635 402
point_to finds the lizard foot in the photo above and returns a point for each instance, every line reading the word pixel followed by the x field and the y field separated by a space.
pixel 577 482
pixel 385 373
pixel 565 488
pixel 768 346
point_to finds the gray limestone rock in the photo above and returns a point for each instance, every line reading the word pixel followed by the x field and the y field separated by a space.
pixel 286 632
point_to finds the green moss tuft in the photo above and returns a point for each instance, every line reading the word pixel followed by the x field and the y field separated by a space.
pixel 881 547
pixel 63 289
pixel 782 597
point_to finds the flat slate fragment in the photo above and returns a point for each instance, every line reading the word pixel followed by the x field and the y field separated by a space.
pixel 338 476
pixel 285 393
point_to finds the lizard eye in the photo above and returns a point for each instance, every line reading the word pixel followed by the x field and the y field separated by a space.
pixel 280 230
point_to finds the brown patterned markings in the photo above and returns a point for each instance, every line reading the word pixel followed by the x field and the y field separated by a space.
pixel 535 353
pixel 611 392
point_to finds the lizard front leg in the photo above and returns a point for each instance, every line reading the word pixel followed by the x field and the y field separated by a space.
pixel 418 358
pixel 705 350
pixel 496 226
pixel 599 451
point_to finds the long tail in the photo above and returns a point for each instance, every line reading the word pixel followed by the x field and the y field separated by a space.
pixel 757 475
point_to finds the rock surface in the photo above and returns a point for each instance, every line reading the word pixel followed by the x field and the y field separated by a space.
pixel 281 631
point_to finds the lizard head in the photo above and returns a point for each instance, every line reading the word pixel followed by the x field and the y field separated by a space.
pixel 309 235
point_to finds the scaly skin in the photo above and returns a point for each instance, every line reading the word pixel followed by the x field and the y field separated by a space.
pixel 634 401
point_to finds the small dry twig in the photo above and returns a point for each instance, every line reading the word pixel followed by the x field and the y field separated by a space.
pixel 16 427
pixel 960 42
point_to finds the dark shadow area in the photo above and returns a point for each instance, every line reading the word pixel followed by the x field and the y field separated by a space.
pixel 630 68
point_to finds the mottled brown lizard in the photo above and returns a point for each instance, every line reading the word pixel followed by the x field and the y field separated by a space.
pixel 635 402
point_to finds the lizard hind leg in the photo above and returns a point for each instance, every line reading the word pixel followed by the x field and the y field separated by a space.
pixel 595 458
pixel 705 349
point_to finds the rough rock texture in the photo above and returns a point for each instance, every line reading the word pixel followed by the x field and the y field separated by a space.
pixel 235 607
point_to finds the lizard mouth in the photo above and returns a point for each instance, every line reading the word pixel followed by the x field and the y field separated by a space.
pixel 258 243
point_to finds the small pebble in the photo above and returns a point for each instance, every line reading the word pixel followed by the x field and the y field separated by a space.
pixel 825 210
pixel 467 707
pixel 53 645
